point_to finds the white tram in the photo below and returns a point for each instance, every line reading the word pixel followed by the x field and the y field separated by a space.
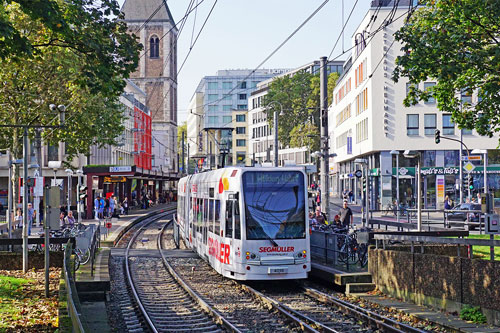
pixel 248 223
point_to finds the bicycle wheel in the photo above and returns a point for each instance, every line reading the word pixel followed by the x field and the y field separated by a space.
pixel 77 261
pixel 85 256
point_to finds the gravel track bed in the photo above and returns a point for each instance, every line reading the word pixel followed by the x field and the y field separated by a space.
pixel 225 295
pixel 168 305
pixel 308 306
pixel 383 311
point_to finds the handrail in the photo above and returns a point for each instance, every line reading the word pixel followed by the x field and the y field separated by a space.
pixel 438 240
pixel 74 308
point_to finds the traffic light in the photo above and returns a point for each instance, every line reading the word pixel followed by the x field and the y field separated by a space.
pixel 83 192
pixel 364 184
pixel 471 182
pixel 437 136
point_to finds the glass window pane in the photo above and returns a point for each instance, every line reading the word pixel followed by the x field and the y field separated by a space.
pixel 429 124
pixel 227 85
pixel 213 85
pixel 428 85
pixel 227 120
pixel 213 97
pixel 227 107
pixel 213 108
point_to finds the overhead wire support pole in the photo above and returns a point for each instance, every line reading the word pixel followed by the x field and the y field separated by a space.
pixel 324 137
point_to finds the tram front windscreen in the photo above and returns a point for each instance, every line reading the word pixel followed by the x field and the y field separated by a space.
pixel 275 206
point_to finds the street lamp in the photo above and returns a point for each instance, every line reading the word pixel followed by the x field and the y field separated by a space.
pixel 396 152
pixel 275 119
pixel 416 154
pixel 364 162
pixel 69 172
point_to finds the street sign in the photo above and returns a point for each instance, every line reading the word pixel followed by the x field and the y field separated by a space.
pixel 472 158
pixel 108 225
pixel 358 173
pixel 469 167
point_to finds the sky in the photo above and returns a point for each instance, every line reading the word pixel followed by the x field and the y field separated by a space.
pixel 240 34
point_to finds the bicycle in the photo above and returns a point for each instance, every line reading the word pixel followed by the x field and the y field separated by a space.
pixel 390 207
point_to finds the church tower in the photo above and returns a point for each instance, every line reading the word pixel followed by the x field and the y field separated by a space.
pixel 152 22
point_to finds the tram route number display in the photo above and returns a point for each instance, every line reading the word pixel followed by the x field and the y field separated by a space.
pixel 108 225
pixel 219 251
pixel 276 178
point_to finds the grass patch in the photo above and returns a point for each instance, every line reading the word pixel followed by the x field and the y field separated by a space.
pixel 483 252
pixel 11 288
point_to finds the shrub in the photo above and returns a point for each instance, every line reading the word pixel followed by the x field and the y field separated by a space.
pixel 473 314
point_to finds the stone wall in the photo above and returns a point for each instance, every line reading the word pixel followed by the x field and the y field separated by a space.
pixel 442 281
pixel 14 260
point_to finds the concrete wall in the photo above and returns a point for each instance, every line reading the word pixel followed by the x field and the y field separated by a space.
pixel 14 260
pixel 438 278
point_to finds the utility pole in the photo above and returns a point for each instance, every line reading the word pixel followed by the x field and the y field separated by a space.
pixel 183 158
pixel 276 142
pixel 38 147
pixel 323 78
pixel 25 199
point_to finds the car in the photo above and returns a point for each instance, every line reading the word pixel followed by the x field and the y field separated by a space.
pixel 459 213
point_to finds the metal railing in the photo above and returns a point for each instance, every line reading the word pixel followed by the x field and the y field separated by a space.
pixel 339 249
pixel 412 239
pixel 73 302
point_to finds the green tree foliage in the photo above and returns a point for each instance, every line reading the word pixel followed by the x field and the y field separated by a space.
pixel 300 97
pixel 456 43
pixel 86 75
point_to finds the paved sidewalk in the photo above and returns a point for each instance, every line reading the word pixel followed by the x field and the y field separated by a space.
pixel 452 323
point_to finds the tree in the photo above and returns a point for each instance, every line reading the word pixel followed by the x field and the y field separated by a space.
pixel 456 43
pixel 300 97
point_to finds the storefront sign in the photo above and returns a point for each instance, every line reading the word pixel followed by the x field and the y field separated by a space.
pixel 440 189
pixel 349 145
pixel 125 168
pixel 374 172
pixel 472 158
pixel 115 179
pixel 439 171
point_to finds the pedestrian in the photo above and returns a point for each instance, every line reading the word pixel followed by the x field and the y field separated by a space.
pixel 447 204
pixel 125 206
pixel 318 198
pixel 479 198
pixel 336 222
pixel 18 220
pixel 62 221
pixel 171 196
pixel 351 196
pixel 112 206
pixel 102 204
pixel 346 217
pixel 31 215
pixel 97 203
pixel 69 220
pixel 320 216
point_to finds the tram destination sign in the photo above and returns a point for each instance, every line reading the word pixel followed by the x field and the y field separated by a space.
pixel 276 178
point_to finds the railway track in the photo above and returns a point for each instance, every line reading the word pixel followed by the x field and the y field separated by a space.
pixel 176 291
pixel 326 313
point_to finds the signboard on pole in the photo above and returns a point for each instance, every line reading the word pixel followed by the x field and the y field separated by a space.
pixel 472 158
pixel 469 167
pixel 349 145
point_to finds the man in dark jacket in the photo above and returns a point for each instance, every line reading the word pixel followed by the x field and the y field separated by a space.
pixel 346 217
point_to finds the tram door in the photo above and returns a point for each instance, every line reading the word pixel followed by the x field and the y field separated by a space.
pixel 233 225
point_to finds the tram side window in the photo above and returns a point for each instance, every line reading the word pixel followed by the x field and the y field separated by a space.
pixel 229 219
pixel 200 214
pixel 205 215
pixel 194 209
pixel 217 217
pixel 211 216
pixel 237 226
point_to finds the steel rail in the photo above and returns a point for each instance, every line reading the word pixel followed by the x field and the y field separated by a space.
pixel 219 318
pixel 128 271
pixel 372 318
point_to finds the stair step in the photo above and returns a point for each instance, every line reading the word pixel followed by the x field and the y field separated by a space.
pixel 361 287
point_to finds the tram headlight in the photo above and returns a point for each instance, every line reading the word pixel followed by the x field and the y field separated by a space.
pixel 302 254
pixel 251 256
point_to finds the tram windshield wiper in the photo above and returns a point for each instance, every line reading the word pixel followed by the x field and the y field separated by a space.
pixel 271 240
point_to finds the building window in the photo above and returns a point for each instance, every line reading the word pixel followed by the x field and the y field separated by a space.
pixel 361 131
pixel 212 120
pixel 429 158
pixel 227 107
pixel 243 85
pixel 427 86
pixel 466 96
pixel 451 158
pixel 227 120
pixel 227 98
pixel 466 131
pixel 53 153
pixel 212 97
pixel 154 47
pixel 240 142
pixel 412 124
pixel 242 106
pixel 448 125
pixel 254 84
pixel 429 124
pixel 213 85
pixel 242 96
pixel 408 87
pixel 227 85
pixel 240 130
pixel 213 108
pixel 240 118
